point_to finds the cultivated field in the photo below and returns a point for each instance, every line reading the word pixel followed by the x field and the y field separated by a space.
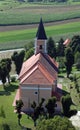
pixel 19 38
pixel 63 21
pixel 31 13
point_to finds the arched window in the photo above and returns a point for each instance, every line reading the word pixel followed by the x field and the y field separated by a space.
pixel 40 47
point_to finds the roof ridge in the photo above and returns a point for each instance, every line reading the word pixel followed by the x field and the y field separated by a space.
pixel 50 62
pixel 30 66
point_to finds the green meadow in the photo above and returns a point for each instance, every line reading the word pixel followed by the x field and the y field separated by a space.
pixel 16 13
pixel 7 115
pixel 19 38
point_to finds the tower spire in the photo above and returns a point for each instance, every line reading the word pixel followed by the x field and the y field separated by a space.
pixel 41 39
pixel 41 31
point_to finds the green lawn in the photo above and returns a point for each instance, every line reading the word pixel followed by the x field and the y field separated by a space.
pixel 18 38
pixel 10 118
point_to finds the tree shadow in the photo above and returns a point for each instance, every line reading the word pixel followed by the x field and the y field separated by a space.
pixel 8 89
pixel 2 93
pixel 2 112
pixel 6 127
pixel 25 128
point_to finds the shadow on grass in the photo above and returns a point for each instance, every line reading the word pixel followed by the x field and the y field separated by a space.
pixel 8 89
pixel 25 128
pixel 6 127
pixel 2 112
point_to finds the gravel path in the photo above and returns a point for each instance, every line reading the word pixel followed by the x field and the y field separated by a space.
pixel 21 27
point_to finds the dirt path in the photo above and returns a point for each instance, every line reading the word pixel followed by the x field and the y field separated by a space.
pixel 21 27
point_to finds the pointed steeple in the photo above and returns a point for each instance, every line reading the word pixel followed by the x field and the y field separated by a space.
pixel 41 35
pixel 41 39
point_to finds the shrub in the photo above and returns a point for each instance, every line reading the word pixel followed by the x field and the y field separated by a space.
pixel 13 79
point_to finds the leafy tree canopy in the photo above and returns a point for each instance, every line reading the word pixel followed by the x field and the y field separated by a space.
pixel 50 105
pixel 51 47
pixel 60 48
pixel 69 60
pixel 66 103
pixel 18 59
pixel 56 123
pixel 75 43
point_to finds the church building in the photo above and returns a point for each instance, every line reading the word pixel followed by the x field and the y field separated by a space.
pixel 38 76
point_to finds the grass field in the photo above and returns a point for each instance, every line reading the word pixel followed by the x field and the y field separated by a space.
pixel 12 12
pixel 23 13
pixel 19 38
pixel 9 117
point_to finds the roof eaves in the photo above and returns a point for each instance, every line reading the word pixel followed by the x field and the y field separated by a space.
pixel 28 74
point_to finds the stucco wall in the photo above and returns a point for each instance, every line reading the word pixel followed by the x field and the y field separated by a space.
pixel 34 93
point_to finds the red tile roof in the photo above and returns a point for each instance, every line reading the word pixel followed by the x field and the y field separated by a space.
pixel 39 69
pixel 67 42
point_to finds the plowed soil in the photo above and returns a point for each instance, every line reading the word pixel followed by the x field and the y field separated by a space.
pixel 29 26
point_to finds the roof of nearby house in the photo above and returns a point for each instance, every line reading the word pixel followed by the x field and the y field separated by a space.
pixel 41 32
pixel 67 42
pixel 39 69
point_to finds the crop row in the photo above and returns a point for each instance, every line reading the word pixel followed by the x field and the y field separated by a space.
pixel 32 14
pixel 18 38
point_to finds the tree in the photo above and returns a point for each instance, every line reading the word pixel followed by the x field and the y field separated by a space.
pixel 8 67
pixel 19 105
pixel 29 53
pixel 77 60
pixel 61 61
pixel 69 60
pixel 56 123
pixel 3 72
pixel 18 59
pixel 66 103
pixel 51 47
pixel 38 110
pixel 77 86
pixel 29 45
pixel 60 48
pixel 50 105
pixel 75 43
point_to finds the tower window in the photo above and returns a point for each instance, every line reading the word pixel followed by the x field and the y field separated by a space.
pixel 40 47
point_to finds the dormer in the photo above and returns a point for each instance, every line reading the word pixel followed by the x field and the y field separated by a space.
pixel 41 39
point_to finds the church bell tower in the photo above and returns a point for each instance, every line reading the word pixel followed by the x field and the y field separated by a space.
pixel 41 39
